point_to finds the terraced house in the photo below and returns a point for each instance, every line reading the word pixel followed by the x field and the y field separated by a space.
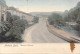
pixel 3 8
pixel 14 11
pixel 21 14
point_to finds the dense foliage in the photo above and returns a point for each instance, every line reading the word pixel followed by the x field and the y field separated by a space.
pixel 67 19
pixel 56 20
pixel 36 19
pixel 11 30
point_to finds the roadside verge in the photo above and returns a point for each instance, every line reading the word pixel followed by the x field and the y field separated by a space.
pixel 63 34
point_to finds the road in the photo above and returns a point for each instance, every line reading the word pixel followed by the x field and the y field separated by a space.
pixel 39 33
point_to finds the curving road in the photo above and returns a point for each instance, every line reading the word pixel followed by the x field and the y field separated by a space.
pixel 40 34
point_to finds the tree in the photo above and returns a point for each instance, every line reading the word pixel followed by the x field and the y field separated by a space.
pixel 11 30
pixel 56 19
pixel 36 19
pixel 14 34
pixel 78 4
pixel 4 27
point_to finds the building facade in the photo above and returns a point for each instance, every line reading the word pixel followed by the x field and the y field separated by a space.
pixel 3 8
pixel 21 14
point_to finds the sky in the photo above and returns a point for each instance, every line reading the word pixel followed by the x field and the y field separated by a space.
pixel 42 5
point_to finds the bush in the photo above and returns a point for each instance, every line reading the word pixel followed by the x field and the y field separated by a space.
pixel 11 30
pixel 56 19
pixel 4 27
pixel 36 19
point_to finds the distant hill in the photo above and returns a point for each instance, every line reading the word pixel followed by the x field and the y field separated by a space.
pixel 45 14
pixel 40 13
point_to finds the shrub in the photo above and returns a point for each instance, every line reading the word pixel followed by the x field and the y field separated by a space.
pixel 11 30
pixel 36 19
pixel 56 19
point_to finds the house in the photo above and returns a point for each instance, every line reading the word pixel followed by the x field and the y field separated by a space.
pixel 21 14
pixel 28 17
pixel 3 8
pixel 13 11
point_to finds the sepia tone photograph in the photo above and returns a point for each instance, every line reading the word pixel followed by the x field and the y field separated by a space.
pixel 39 21
pixel 39 26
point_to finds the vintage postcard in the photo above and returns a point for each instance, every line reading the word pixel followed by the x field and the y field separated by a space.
pixel 39 26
